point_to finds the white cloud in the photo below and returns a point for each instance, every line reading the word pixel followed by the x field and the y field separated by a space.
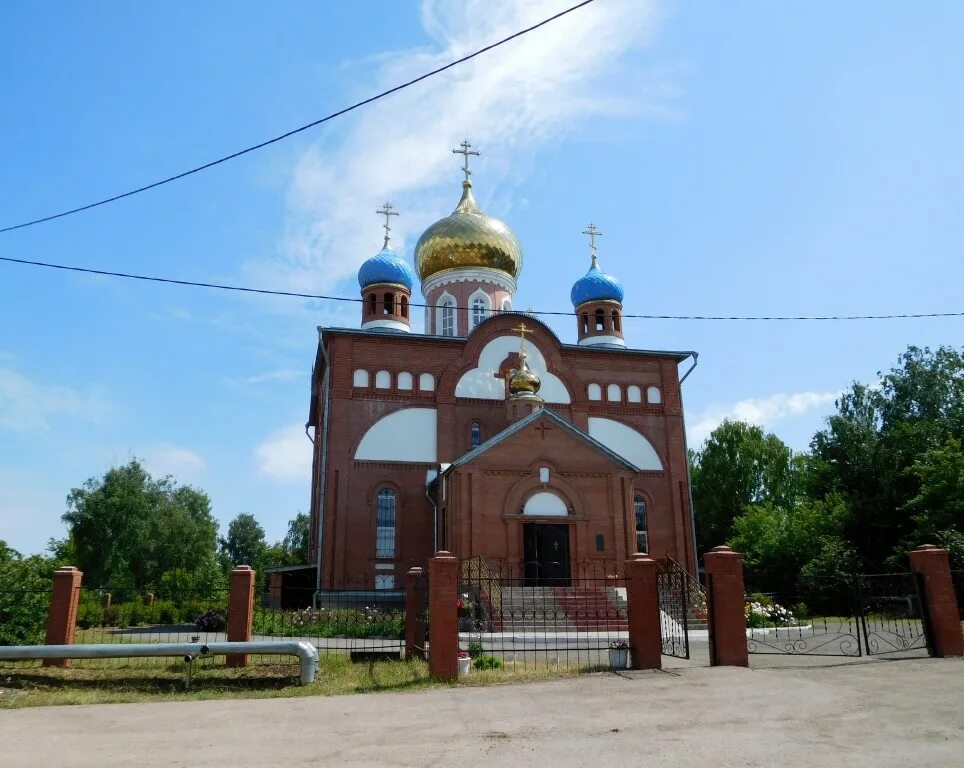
pixel 531 91
pixel 286 374
pixel 26 405
pixel 286 455
pixel 764 412
pixel 165 459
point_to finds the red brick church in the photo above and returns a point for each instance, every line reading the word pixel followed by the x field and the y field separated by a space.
pixel 487 434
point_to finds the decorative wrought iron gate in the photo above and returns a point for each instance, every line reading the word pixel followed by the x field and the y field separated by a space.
pixel 420 619
pixel 893 613
pixel 672 588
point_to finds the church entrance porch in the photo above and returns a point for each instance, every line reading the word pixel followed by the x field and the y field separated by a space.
pixel 546 554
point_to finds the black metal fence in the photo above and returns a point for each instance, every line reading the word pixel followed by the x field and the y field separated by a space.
pixel 958 578
pixel 420 616
pixel 510 616
pixel 672 589
pixel 893 613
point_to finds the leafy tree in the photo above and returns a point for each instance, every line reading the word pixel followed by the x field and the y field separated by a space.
pixel 245 544
pixel 128 528
pixel 939 502
pixel 737 466
pixel 25 596
pixel 297 542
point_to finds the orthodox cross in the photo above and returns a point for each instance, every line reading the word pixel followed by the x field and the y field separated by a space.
pixel 593 234
pixel 465 151
pixel 522 329
pixel 543 428
pixel 387 211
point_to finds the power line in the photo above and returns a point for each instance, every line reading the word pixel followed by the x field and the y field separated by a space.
pixel 358 300
pixel 283 136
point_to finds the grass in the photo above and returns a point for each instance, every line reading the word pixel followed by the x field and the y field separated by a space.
pixel 35 686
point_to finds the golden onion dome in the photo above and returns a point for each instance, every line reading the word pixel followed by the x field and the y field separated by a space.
pixel 523 381
pixel 468 238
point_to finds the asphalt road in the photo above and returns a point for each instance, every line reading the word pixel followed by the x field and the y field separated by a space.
pixel 830 712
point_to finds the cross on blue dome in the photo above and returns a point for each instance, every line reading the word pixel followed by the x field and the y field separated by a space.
pixel 595 285
pixel 386 266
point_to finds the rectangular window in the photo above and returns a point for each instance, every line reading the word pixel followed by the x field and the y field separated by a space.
pixel 642 541
pixel 384 582
pixel 385 524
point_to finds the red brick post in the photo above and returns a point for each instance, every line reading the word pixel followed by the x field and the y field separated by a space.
pixel 443 587
pixel 414 605
pixel 642 600
pixel 62 614
pixel 942 612
pixel 240 611
pixel 724 573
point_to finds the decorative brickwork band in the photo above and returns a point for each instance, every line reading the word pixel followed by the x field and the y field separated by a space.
pixel 62 616
pixel 443 583
pixel 643 606
pixel 240 611
pixel 414 596
pixel 724 574
pixel 942 611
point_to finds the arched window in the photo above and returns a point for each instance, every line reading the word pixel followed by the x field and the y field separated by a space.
pixel 389 303
pixel 600 320
pixel 372 304
pixel 404 380
pixel 479 309
pixel 360 378
pixel 613 393
pixel 385 523
pixel 653 395
pixel 594 392
pixel 633 394
pixel 383 380
pixel 642 532
pixel 448 318
pixel 506 305
pixel 615 321
pixel 476 439
pixel 426 382
pixel 404 307
pixel 585 322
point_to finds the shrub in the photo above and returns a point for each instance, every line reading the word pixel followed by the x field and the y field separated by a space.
pixel 212 620
pixel 476 649
pixel 90 614
pixel 487 662
pixel 331 622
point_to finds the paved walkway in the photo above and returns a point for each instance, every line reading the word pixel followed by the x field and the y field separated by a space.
pixel 878 713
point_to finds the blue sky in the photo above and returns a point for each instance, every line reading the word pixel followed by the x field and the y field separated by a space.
pixel 741 158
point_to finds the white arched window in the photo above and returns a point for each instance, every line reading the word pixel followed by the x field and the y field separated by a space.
pixel 360 378
pixel 594 391
pixel 506 305
pixel 613 394
pixel 546 504
pixel 426 382
pixel 653 395
pixel 480 308
pixel 446 323
pixel 633 394
pixel 383 380
pixel 404 380
pixel 642 525
pixel 385 505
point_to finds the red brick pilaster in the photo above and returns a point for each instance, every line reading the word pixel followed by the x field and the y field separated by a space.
pixel 240 611
pixel 443 585
pixel 414 604
pixel 62 615
pixel 942 611
pixel 643 604
pixel 724 573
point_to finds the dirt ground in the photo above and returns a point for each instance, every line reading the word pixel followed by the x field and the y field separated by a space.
pixel 830 712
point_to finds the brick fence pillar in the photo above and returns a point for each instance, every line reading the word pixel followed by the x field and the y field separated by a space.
pixel 443 587
pixel 727 621
pixel 240 611
pixel 414 605
pixel 62 615
pixel 643 604
pixel 942 611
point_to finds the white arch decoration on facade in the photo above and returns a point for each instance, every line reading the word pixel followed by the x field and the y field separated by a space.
pixel 405 435
pixel 426 382
pixel 404 380
pixel 625 441
pixel 545 503
pixel 383 380
pixel 613 393
pixel 359 378
pixel 653 395
pixel 481 382
pixel 440 310
pixel 594 392
pixel 634 394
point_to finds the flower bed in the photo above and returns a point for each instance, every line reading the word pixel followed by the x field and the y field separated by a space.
pixel 331 622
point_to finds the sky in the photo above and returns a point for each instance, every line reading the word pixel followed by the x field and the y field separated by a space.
pixel 740 158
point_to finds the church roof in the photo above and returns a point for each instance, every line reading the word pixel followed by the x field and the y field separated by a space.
pixel 542 413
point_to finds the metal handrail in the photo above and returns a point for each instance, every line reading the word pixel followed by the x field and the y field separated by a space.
pixel 307 653
pixel 695 590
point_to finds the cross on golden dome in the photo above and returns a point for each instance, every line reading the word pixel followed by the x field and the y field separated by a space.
pixel 465 151
pixel 387 210
pixel 593 234
pixel 522 329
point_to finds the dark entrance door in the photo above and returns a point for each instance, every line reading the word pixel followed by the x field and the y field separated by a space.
pixel 546 554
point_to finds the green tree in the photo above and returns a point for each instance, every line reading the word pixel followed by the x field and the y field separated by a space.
pixel 939 503
pixel 737 466
pixel 245 544
pixel 297 542
pixel 25 596
pixel 128 528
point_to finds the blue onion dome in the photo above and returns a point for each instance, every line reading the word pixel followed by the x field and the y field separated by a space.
pixel 596 285
pixel 386 267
